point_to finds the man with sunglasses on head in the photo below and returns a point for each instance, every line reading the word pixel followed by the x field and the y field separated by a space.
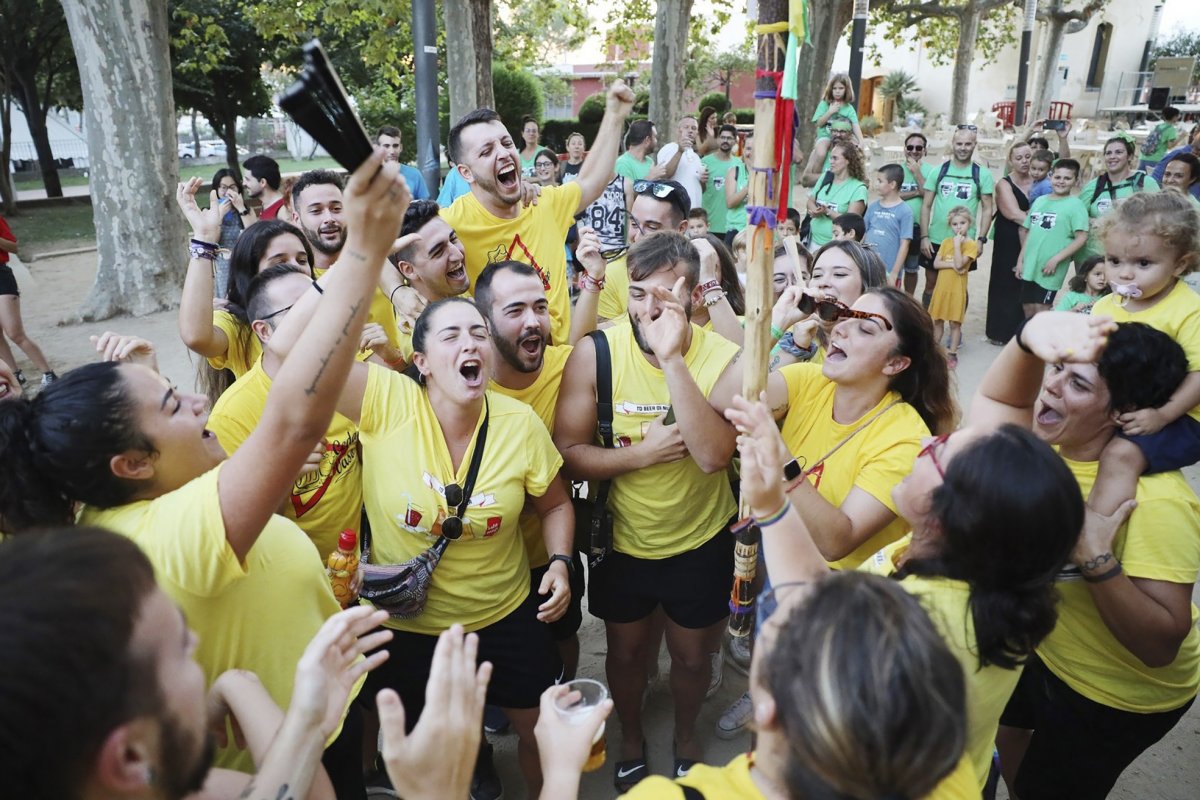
pixel 958 182
pixel 656 206
pixel 670 499
pixel 492 222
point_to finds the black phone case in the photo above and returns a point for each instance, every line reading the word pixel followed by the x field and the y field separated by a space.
pixel 317 102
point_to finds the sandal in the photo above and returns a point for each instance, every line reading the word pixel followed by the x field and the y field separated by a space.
pixel 627 774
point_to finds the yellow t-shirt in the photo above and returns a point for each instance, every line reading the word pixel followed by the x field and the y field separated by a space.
pixel 947 601
pixel 323 503
pixel 1177 315
pixel 258 615
pixel 1160 542
pixel 382 314
pixel 542 397
pixel 614 297
pixel 244 347
pixel 874 460
pixel 733 782
pixel 665 509
pixel 536 236
pixel 484 575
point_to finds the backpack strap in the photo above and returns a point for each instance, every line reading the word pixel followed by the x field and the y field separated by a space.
pixel 975 177
pixel 1103 184
pixel 826 180
pixel 604 403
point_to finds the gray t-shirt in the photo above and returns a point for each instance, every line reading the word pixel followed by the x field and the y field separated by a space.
pixel 886 226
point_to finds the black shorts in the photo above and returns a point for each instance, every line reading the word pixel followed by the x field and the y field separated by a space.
pixel 8 281
pixel 1176 446
pixel 568 624
pixel 692 587
pixel 1036 294
pixel 916 260
pixel 524 660
pixel 1079 747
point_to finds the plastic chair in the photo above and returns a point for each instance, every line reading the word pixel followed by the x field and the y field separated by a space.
pixel 1059 109
pixel 1006 111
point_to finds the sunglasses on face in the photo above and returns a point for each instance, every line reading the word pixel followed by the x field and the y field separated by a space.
pixel 833 310
pixel 914 148
pixel 931 449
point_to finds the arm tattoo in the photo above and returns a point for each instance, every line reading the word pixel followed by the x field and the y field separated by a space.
pixel 312 389
pixel 1097 562
pixel 357 256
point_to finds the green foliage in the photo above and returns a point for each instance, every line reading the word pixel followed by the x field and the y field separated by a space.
pixel 591 110
pixel 528 33
pixel 870 125
pixel 556 131
pixel 715 99
pixel 909 105
pixel 897 84
pixel 745 116
pixel 935 27
pixel 518 94
pixel 719 71
pixel 1182 44
pixel 641 101
pixel 217 57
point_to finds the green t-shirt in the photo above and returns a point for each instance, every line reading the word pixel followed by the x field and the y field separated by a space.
pixel 631 168
pixel 1168 134
pixel 913 183
pixel 1069 301
pixel 528 168
pixel 836 197
pixel 735 218
pixel 1104 202
pixel 957 188
pixel 846 111
pixel 714 193
pixel 1052 223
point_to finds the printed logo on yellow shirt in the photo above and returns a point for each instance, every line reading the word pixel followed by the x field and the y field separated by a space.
pixel 415 514
pixel 337 458
pixel 502 253
pixel 641 409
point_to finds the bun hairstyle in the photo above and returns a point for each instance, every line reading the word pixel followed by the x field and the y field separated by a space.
pixel 870 699
pixel 55 450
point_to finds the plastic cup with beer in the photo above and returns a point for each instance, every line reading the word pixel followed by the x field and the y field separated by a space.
pixel 576 705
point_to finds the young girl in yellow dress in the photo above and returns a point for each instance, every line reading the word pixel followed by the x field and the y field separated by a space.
pixel 949 302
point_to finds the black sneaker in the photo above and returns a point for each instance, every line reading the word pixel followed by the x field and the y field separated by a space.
pixel 485 783
pixel 494 720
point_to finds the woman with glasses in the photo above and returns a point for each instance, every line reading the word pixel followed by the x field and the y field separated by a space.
pixel 545 168
pixel 842 190
pixel 235 218
pixel 994 514
pixel 449 464
pixel 1119 180
pixel 116 446
pixel 829 721
pixel 222 335
pixel 1004 312
pixel 530 135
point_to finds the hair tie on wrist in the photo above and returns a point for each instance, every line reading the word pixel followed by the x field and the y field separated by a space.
pixel 771 519
pixel 1017 336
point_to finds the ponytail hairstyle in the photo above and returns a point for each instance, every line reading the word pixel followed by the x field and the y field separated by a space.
pixel 870 699
pixel 1006 539
pixel 244 259
pixel 730 283
pixel 421 330
pixel 56 449
pixel 925 384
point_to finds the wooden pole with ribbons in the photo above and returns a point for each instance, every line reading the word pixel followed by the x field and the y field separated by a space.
pixel 766 204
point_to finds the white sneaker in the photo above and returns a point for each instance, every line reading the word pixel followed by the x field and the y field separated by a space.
pixel 737 652
pixel 735 719
pixel 714 682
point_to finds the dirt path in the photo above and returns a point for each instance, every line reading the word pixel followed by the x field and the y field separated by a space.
pixel 56 287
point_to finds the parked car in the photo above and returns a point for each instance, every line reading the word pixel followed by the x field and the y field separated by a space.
pixel 206 151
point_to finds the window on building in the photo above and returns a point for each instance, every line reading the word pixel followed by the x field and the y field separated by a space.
pixel 1095 76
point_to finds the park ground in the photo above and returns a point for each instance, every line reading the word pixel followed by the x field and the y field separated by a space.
pixel 53 287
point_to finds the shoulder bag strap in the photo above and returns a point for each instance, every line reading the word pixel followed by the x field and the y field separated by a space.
pixel 476 460
pixel 851 435
pixel 604 403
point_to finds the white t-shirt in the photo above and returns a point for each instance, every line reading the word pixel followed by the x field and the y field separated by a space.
pixel 687 172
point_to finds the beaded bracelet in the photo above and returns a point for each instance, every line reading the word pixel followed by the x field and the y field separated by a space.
pixel 713 297
pixel 708 286
pixel 590 284
pixel 203 250
pixel 771 519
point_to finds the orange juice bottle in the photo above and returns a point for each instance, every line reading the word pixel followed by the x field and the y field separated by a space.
pixel 341 566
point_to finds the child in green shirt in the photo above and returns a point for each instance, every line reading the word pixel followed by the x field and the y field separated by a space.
pixel 1054 230
pixel 1089 285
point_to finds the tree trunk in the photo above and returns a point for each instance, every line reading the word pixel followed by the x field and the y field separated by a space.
pixel 229 137
pixel 827 21
pixel 1056 30
pixel 195 133
pixel 481 37
pixel 26 91
pixel 8 195
pixel 251 134
pixel 968 33
pixel 130 121
pixel 667 68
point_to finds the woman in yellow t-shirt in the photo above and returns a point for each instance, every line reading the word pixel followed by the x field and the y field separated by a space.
pixel 981 558
pixel 855 695
pixel 420 432
pixel 222 335
pixel 134 451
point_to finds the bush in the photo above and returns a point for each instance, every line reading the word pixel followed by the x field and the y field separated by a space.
pixel 870 125
pixel 556 131
pixel 518 94
pixel 592 109
pixel 715 99
pixel 745 116
pixel 641 102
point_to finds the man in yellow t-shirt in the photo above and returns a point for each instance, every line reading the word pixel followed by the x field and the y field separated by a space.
pixel 493 224
pixel 327 496
pixel 317 210
pixel 510 296
pixel 670 499
pixel 1122 664
pixel 657 206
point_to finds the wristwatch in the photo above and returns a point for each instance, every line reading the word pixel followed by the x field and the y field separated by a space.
pixel 982 240
pixel 792 470
pixel 243 213
pixel 570 562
